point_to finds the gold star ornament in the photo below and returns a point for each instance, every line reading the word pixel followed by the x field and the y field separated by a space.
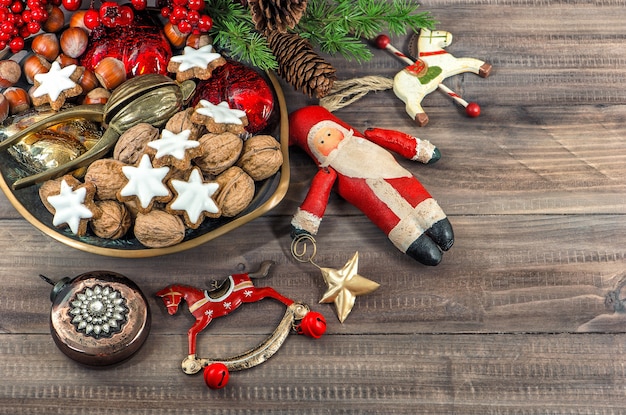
pixel 344 285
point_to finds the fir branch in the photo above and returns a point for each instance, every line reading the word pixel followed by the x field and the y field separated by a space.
pixel 337 26
pixel 233 31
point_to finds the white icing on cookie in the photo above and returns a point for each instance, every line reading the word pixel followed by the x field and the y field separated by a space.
pixel 196 58
pixel 69 207
pixel 221 113
pixel 55 81
pixel 194 196
pixel 174 145
pixel 145 181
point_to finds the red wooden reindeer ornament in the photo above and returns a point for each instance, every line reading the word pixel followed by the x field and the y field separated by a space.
pixel 227 297
pixel 370 178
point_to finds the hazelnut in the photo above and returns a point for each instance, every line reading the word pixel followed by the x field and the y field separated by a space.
pixel 65 60
pixel 4 108
pixel 74 41
pixel 219 152
pixel 176 37
pixel 33 65
pixel 235 192
pixel 55 21
pixel 78 19
pixel 196 41
pixel 18 99
pixel 158 229
pixel 10 72
pixel 88 81
pixel 97 96
pixel 111 72
pixel 107 176
pixel 132 143
pixel 114 222
pixel 47 45
pixel 261 157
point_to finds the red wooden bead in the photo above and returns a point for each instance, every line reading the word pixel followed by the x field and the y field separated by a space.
pixel 382 41
pixel 472 110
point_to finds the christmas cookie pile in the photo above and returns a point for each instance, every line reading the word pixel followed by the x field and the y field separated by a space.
pixel 159 183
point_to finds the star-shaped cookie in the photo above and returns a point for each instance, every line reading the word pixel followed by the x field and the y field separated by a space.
pixel 344 285
pixel 195 63
pixel 56 85
pixel 175 150
pixel 73 205
pixel 219 118
pixel 194 199
pixel 145 184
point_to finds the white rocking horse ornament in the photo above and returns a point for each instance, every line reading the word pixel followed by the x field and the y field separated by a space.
pixel 418 79
pixel 433 65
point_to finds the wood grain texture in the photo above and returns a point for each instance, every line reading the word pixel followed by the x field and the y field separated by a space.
pixel 525 315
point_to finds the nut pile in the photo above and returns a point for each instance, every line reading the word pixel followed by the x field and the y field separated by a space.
pixel 222 160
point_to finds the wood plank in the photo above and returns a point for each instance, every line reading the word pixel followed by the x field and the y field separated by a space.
pixel 408 374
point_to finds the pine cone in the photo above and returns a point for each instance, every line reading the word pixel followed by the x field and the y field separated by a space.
pixel 300 65
pixel 271 15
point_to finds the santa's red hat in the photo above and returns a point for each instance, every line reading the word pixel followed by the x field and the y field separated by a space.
pixel 304 122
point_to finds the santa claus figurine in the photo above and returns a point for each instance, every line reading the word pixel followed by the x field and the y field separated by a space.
pixel 370 178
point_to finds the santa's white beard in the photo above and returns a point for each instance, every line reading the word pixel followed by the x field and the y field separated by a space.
pixel 356 157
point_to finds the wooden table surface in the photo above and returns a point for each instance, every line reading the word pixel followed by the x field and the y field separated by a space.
pixel 524 315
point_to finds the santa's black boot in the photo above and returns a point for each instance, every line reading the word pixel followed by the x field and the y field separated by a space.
pixel 441 232
pixel 424 250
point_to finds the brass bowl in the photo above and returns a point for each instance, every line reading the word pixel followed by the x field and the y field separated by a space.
pixel 268 194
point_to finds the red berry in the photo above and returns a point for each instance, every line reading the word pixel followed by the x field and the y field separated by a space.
pixel 17 7
pixel 126 16
pixel 166 12
pixel 33 27
pixel 196 5
pixel 205 23
pixel 91 19
pixel 72 5
pixel 382 41
pixel 16 44
pixel 472 110
pixel 179 13
pixel 193 17
pixel 184 26
pixel 40 15
pixel 139 4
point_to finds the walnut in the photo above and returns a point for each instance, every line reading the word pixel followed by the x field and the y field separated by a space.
pixel 181 121
pixel 219 152
pixel 235 192
pixel 49 188
pixel 107 176
pixel 261 157
pixel 159 229
pixel 132 143
pixel 114 222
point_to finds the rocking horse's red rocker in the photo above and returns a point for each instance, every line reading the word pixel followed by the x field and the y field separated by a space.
pixel 235 290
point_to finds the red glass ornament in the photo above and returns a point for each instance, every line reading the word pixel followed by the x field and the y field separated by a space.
pixel 242 88
pixel 312 325
pixel 142 47
pixel 216 375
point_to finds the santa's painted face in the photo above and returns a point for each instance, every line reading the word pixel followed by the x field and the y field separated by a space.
pixel 326 139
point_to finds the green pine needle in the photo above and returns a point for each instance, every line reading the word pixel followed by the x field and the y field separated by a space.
pixel 333 26
pixel 234 33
